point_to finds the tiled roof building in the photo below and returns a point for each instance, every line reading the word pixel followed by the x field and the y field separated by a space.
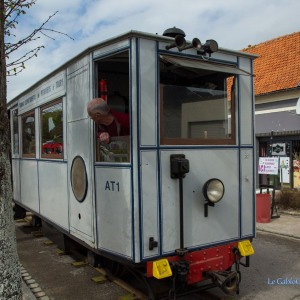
pixel 277 104
pixel 278 65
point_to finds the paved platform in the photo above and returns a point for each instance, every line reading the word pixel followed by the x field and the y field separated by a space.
pixel 36 257
pixel 288 224
pixel 47 274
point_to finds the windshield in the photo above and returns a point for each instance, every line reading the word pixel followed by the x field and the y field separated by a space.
pixel 197 104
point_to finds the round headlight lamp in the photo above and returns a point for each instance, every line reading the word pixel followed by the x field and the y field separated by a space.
pixel 213 190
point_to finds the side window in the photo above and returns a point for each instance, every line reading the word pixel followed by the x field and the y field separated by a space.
pixel 28 135
pixel 113 87
pixel 52 131
pixel 15 132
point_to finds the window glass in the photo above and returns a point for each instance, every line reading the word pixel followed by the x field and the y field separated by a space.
pixel 197 105
pixel 52 131
pixel 15 132
pixel 113 87
pixel 28 135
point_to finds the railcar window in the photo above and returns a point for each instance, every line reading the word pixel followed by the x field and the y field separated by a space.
pixel 52 131
pixel 113 87
pixel 15 132
pixel 197 105
pixel 28 135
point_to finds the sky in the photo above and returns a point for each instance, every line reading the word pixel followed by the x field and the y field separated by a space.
pixel 234 24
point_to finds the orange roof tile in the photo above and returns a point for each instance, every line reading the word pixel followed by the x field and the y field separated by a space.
pixel 278 65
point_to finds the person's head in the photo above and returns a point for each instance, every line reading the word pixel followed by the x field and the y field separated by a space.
pixel 99 111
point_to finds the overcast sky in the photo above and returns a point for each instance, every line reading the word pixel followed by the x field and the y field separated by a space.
pixel 234 24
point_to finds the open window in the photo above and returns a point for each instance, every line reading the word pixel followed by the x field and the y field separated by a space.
pixel 52 145
pixel 113 86
pixel 197 102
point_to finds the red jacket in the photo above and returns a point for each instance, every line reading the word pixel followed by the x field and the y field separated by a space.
pixel 119 127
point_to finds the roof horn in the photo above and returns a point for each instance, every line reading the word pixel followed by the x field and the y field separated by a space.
pixel 179 42
pixel 178 35
pixel 196 44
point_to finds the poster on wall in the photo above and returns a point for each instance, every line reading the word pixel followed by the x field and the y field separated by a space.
pixel 268 165
pixel 284 169
pixel 279 149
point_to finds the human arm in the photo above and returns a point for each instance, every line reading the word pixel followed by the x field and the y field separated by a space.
pixel 104 137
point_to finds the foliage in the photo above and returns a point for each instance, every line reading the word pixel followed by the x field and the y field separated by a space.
pixel 296 156
pixel 288 198
pixel 14 9
pixel 55 133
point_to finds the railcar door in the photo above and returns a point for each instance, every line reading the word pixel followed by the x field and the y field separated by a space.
pixel 113 171
pixel 80 151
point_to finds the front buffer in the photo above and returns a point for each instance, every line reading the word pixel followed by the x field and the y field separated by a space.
pixel 213 265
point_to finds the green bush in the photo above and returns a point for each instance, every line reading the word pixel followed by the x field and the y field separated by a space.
pixel 288 199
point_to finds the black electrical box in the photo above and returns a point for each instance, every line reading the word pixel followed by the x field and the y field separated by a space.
pixel 179 165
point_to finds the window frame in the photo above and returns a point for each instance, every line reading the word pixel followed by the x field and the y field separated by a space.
pixel 51 155
pixel 15 149
pixel 200 141
pixel 28 155
pixel 98 75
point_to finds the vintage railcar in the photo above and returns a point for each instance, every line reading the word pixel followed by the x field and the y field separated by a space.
pixel 174 198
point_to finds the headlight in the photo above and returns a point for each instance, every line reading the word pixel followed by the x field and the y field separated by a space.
pixel 213 190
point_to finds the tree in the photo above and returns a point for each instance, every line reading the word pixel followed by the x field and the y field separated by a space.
pixel 11 10
pixel 10 278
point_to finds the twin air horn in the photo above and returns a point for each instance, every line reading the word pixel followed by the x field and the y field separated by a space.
pixel 209 47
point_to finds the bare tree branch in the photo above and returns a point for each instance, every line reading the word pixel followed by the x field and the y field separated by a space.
pixel 14 8
pixel 18 65
pixel 55 31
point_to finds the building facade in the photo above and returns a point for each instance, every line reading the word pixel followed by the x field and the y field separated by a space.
pixel 277 107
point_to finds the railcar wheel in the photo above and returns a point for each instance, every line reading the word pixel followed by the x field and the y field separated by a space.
pixel 93 259
pixel 36 221
pixel 113 267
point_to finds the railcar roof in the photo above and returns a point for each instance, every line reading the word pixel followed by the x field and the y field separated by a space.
pixel 129 34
